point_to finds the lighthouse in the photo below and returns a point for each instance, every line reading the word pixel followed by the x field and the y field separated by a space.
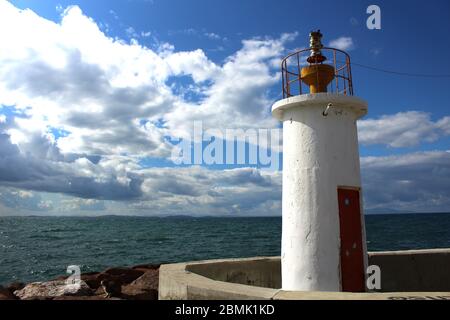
pixel 323 234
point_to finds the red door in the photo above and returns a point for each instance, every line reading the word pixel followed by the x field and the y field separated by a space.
pixel 352 260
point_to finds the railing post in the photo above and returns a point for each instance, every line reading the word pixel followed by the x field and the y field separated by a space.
pixel 282 78
pixel 350 79
pixel 336 71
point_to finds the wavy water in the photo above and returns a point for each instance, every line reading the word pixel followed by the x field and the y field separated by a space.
pixel 39 248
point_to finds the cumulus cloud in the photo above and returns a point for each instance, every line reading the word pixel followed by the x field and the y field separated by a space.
pixel 107 94
pixel 77 204
pixel 87 108
pixel 23 200
pixel 198 33
pixel 110 178
pixel 72 77
pixel 342 43
pixel 403 129
pixel 212 35
pixel 201 191
pixel 238 96
pixel 192 190
pixel 412 182
pixel 192 63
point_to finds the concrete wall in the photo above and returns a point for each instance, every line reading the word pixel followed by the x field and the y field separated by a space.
pixel 418 270
pixel 263 272
pixel 418 274
pixel 176 282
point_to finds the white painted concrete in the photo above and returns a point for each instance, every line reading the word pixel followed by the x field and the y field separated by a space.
pixel 320 153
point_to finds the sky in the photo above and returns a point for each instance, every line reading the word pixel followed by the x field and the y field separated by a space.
pixel 96 95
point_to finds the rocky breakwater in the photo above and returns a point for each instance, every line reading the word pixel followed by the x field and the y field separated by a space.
pixel 120 283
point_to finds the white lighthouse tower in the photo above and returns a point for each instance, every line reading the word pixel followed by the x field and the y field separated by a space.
pixel 323 233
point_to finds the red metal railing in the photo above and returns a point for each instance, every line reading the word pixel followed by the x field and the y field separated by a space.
pixel 291 72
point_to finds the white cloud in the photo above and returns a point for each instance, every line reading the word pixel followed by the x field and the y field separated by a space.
pixel 193 63
pixel 46 170
pixel 212 35
pixel 114 14
pixel 77 205
pixel 412 182
pixel 409 182
pixel 237 97
pixel 20 200
pixel 342 43
pixel 200 191
pixel 45 205
pixel 403 129
pixel 444 125
pixel 71 76
pixel 131 32
pixel 193 190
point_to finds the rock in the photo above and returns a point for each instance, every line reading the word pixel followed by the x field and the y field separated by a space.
pixel 53 289
pixel 111 288
pixel 121 276
pixel 125 275
pixel 84 298
pixel 15 286
pixel 136 283
pixel 100 292
pixel 6 294
pixel 143 288
pixel 146 267
pixel 38 298
pixel 93 279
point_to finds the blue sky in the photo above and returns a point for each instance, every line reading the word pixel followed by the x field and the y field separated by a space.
pixel 91 90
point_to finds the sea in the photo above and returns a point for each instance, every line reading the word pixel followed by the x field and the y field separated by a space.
pixel 41 248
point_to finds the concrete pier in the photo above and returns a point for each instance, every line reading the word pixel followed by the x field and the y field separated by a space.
pixel 405 275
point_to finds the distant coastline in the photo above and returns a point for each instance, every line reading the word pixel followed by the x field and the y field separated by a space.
pixel 181 216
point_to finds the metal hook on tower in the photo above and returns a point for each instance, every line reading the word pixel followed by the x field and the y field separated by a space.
pixel 325 112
